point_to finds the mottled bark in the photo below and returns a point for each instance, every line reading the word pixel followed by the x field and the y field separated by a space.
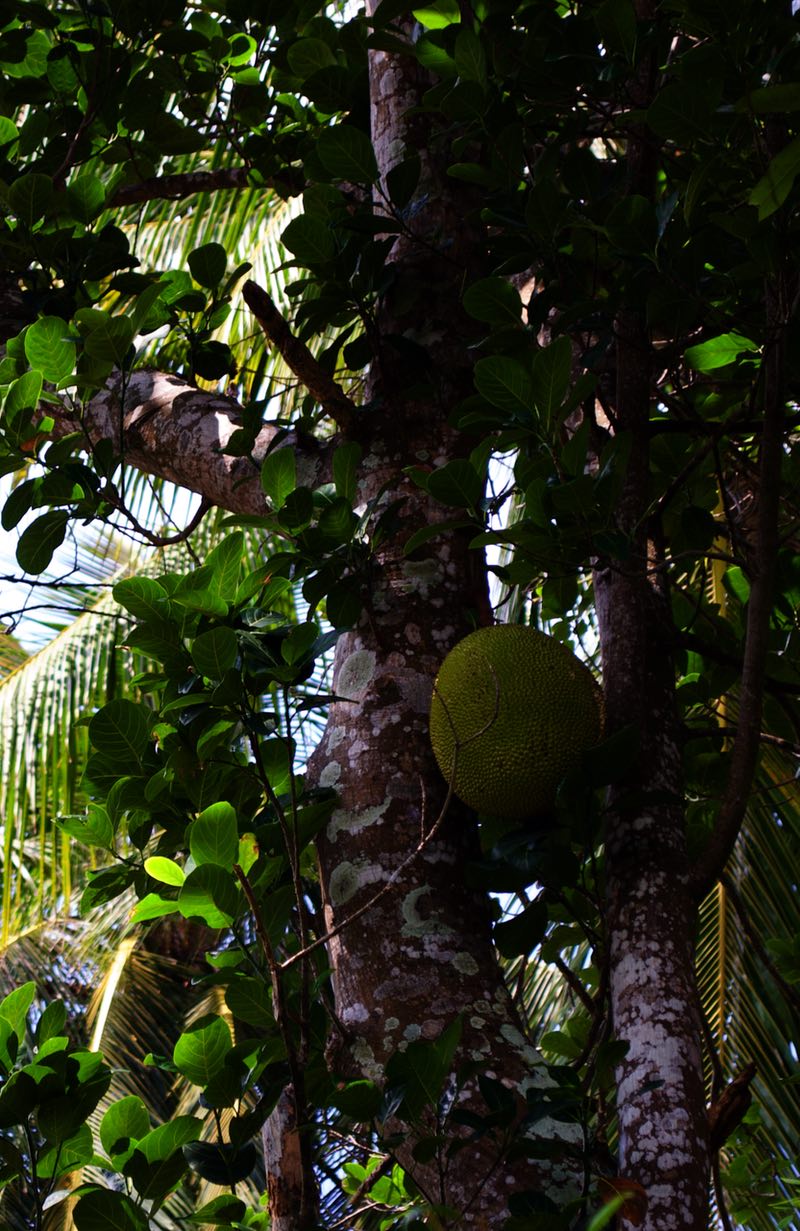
pixel 423 953
pixel 166 427
pixel 650 912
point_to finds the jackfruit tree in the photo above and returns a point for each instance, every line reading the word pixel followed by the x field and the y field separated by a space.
pixel 532 321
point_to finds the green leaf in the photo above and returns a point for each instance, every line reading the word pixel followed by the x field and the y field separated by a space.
pixel 310 239
pixel 225 562
pixel 39 540
pixel 167 871
pixel 214 836
pixel 360 1100
pixel 222 1211
pixel 86 197
pixel 208 264
pixel 125 1121
pixel 495 301
pixel 8 130
pixel 215 652
pixel 523 933
pixel 248 999
pixel 209 893
pixel 14 1008
pixel 718 352
pixel 121 730
pixel 774 187
pixel 221 1163
pixel 279 476
pixel 143 597
pixel 423 1068
pixel 51 1023
pixel 470 56
pixel 505 383
pixel 104 1210
pixel 200 1052
pixel 457 483
pixel 162 1142
pixel 438 14
pixel 29 197
pixel 682 111
pixel 308 56
pixel 345 469
pixel 347 154
pixel 50 349
pixel 550 377
pixel 783 98
pixel 23 393
pixel 93 829
pixel 110 340
pixel 153 907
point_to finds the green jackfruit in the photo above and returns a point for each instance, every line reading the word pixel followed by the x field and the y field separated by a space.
pixel 512 711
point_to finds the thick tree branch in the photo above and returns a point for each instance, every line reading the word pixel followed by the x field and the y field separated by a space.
pixel 166 427
pixel 330 395
pixel 176 187
pixel 744 753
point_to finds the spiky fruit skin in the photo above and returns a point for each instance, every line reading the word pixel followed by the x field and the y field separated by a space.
pixel 520 709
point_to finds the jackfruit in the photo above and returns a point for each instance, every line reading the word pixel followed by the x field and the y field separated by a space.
pixel 512 711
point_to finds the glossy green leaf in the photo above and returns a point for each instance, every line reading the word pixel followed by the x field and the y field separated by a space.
pixel 215 652
pixel 200 1052
pixel 125 1121
pixel 121 730
pixel 719 352
pixel 29 197
pixel 309 239
pixel 23 393
pixel 279 475
pixel 346 153
pixel 209 893
pixel 14 1007
pixel 164 870
pixel 208 264
pixel 39 540
pixel 50 349
pixel 505 383
pixel 104 1210
pixel 775 185
pixel 345 469
pixel 308 56
pixel 495 301
pixel 143 597
pixel 438 14
pixel 214 836
pixel 457 483
pixel 248 999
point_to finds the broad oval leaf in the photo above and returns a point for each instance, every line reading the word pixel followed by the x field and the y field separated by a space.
pixel 209 893
pixel 39 540
pixel 121 730
pixel 50 349
pixel 347 154
pixel 214 652
pixel 200 1052
pixel 126 1120
pixel 505 383
pixel 214 836
pixel 167 871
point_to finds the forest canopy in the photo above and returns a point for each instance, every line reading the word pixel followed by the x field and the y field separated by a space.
pixel 330 336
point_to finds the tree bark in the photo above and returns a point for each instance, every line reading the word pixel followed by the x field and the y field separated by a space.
pixel 650 909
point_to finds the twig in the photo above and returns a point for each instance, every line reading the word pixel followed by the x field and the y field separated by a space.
pixel 744 753
pixel 330 395
pixel 157 540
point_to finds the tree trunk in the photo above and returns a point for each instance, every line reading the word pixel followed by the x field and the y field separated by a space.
pixel 423 953
pixel 650 910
